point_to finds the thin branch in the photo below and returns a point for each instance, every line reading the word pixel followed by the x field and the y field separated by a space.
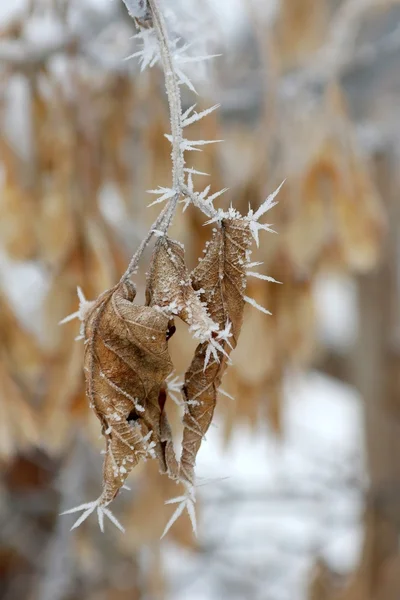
pixel 173 93
pixel 164 220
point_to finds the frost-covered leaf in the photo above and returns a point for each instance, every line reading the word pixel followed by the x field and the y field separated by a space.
pixel 126 363
pixel 220 279
pixel 169 287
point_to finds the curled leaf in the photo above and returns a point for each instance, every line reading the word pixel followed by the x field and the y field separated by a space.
pixel 126 363
pixel 169 287
pixel 220 278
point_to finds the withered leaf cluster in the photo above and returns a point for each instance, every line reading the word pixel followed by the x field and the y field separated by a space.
pixel 127 361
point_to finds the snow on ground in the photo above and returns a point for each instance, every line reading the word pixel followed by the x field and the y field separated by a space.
pixel 270 507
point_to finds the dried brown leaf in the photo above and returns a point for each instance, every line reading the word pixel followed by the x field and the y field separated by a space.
pixel 126 363
pixel 220 278
pixel 169 287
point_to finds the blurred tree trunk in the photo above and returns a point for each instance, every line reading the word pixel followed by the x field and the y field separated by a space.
pixel 376 371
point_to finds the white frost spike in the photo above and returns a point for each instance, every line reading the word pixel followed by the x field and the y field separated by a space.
pixel 256 305
pixel 84 307
pixel 113 519
pixel 195 59
pixel 163 192
pixel 69 318
pixel 191 145
pixel 213 348
pixel 188 112
pixel 194 172
pixel 184 80
pixel 268 203
pixel 254 264
pixel 185 502
pixel 203 194
pixel 81 295
pixel 216 195
pixel 260 276
pixel 186 121
pixel 226 333
pixel 224 393
pixel 100 517
pixel 88 509
pixel 150 53
pixel 256 227
pixel 174 386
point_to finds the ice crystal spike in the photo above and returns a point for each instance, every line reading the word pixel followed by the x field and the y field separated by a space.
pixel 184 502
pixel 254 304
pixel 186 121
pixel 88 509
pixel 224 393
pixel 268 203
pixel 174 387
pixel 263 277
pixel 164 193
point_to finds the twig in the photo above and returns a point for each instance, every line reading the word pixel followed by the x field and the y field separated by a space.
pixel 164 219
pixel 173 94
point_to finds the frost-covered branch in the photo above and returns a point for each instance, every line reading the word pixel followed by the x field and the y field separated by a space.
pixel 203 299
pixel 173 94
pixel 163 52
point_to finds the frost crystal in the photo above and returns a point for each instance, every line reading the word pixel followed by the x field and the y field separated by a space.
pixel 184 502
pixel 149 54
pixel 254 304
pixel 88 509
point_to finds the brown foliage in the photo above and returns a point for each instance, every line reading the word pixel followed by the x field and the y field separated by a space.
pixel 126 363
pixel 220 279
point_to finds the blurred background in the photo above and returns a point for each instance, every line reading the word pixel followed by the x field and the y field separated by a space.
pixel 299 478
